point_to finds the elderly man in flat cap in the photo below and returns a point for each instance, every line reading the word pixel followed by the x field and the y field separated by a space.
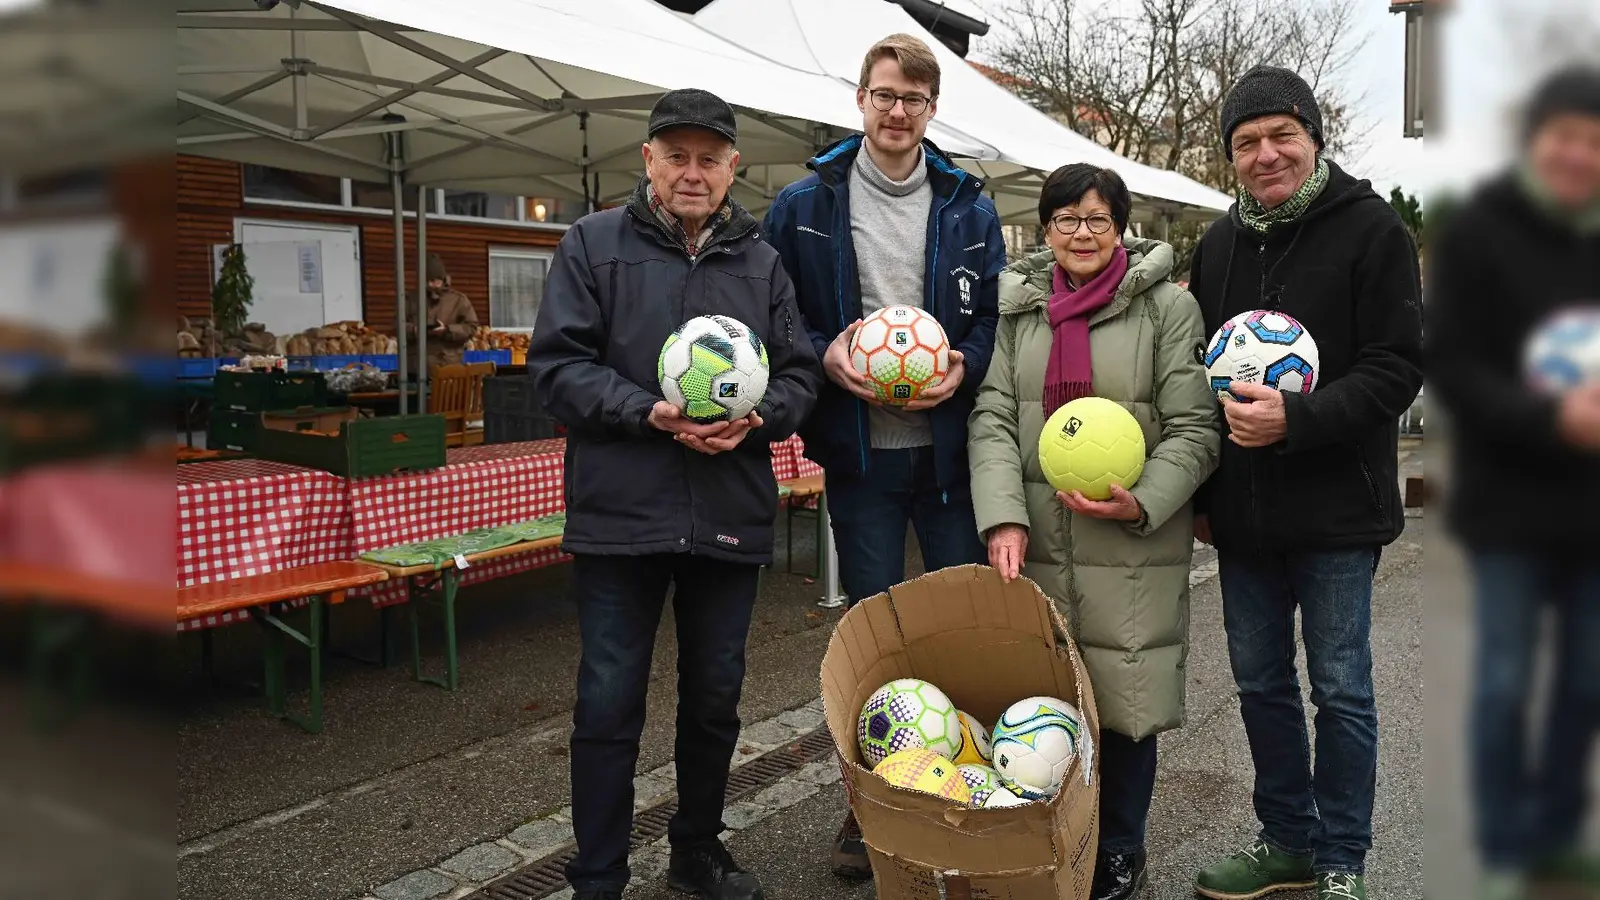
pixel 656 500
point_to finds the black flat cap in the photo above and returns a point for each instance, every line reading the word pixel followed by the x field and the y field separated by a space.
pixel 697 108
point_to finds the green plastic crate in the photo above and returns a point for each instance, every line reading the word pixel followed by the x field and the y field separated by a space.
pixel 263 391
pixel 376 446
pixel 232 429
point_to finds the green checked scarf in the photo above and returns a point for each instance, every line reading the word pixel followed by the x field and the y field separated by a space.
pixel 1261 219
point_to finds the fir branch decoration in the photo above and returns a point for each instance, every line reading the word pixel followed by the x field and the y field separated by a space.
pixel 232 294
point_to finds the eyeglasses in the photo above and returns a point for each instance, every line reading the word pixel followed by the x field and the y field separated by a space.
pixel 884 100
pixel 1098 223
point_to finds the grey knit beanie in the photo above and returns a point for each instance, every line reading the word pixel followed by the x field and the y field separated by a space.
pixel 1571 90
pixel 1270 91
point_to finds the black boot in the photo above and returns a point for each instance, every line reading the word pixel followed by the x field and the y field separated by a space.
pixel 850 851
pixel 709 873
pixel 598 895
pixel 1118 876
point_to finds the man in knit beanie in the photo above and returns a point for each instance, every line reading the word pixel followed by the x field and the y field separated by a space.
pixel 1520 250
pixel 1306 493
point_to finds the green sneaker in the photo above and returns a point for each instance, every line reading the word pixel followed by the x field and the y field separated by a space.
pixel 1255 871
pixel 1339 886
pixel 1502 886
pixel 1572 868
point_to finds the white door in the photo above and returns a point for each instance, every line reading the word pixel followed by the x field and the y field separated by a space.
pixel 306 275
pixel 52 274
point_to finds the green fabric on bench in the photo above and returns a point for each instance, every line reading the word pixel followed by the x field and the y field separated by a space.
pixel 441 552
pixel 541 528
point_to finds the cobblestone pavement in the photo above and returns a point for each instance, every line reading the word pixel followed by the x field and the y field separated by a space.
pixel 413 793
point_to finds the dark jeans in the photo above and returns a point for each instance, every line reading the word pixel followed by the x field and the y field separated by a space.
pixel 1127 784
pixel 620 599
pixel 870 514
pixel 1526 809
pixel 1326 814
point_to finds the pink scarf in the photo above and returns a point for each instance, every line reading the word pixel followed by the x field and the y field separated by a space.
pixel 1070 373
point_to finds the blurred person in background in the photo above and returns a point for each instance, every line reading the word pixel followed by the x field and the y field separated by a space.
pixel 451 320
pixel 1307 492
pixel 1097 314
pixel 1525 494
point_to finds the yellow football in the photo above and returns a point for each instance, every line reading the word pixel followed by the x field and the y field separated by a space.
pixel 1090 444
pixel 975 748
pixel 921 769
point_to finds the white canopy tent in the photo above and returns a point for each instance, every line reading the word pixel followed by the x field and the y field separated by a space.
pixel 496 94
pixel 536 97
pixel 831 37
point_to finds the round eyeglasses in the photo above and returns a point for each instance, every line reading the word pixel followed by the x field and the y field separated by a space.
pixel 884 100
pixel 1067 225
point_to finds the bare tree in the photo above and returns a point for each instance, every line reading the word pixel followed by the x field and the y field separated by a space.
pixel 1146 78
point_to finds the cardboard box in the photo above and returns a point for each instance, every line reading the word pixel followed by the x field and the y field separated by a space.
pixel 986 644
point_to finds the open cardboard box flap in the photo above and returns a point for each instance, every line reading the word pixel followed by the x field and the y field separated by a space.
pixel 986 644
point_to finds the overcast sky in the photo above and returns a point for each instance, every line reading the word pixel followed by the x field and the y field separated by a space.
pixel 1486 72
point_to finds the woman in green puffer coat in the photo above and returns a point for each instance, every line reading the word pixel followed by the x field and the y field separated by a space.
pixel 1098 314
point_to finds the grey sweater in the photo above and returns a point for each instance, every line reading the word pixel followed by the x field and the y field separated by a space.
pixel 889 227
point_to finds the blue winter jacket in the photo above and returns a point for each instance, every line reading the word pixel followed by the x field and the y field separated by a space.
pixel 809 224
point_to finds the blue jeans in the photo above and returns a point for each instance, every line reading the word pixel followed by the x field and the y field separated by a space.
pixel 1326 814
pixel 620 599
pixel 870 515
pixel 1525 809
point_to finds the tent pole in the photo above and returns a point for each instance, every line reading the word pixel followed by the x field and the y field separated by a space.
pixel 398 202
pixel 422 298
pixel 590 200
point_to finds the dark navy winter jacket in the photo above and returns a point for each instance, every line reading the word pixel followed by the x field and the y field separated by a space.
pixel 809 224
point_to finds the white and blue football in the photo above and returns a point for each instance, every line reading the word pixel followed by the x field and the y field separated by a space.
pixel 1262 346
pixel 1564 351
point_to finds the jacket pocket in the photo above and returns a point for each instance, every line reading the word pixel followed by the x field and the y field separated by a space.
pixel 1373 493
pixel 738 296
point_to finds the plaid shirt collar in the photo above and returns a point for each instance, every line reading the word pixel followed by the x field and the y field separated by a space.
pixel 674 227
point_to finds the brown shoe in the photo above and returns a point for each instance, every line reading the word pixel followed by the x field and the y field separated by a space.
pixel 850 852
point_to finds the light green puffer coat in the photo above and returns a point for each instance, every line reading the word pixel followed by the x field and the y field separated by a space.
pixel 1123 587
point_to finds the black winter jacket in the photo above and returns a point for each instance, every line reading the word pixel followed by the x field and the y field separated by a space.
pixel 618 286
pixel 1347 270
pixel 1496 271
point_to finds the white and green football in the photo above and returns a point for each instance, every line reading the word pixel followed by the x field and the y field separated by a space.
pixel 906 713
pixel 989 790
pixel 713 368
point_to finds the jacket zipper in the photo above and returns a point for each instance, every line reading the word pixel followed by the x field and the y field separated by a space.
pixel 721 247
pixel 1372 483
pixel 1255 510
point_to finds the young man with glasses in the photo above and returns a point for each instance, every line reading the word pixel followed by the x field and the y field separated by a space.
pixel 886 220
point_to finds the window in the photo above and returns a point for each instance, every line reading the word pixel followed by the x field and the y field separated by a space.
pixel 379 195
pixel 516 285
pixel 64 189
pixel 480 204
pixel 271 183
pixel 553 211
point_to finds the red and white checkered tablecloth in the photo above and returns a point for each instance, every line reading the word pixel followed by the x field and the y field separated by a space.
pixel 789 461
pixel 248 517
pixel 479 487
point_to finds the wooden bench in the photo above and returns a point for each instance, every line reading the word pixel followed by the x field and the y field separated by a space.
pixel 437 585
pixel 258 594
pixel 801 489
pixel 64 606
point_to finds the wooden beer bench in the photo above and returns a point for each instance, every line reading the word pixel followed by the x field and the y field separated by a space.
pixel 800 489
pixel 435 583
pixel 64 606
pixel 262 596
